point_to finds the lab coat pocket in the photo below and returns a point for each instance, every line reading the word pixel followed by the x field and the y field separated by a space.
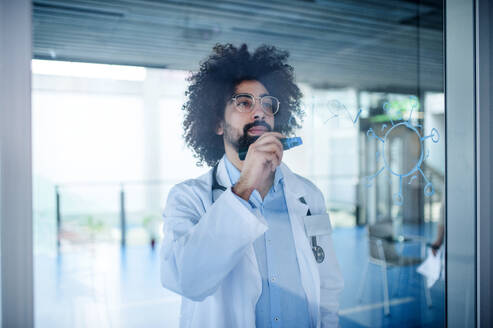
pixel 317 225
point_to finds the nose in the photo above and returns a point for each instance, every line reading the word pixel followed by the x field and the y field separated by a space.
pixel 257 112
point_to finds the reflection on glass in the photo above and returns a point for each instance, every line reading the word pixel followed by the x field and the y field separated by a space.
pixel 110 140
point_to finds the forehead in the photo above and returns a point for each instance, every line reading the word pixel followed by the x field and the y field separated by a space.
pixel 251 86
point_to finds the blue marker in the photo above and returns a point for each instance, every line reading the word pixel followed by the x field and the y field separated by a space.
pixel 287 143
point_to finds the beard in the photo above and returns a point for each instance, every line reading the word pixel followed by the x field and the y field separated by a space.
pixel 242 142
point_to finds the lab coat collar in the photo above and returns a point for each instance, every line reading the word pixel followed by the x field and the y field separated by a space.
pixel 296 186
pixel 296 194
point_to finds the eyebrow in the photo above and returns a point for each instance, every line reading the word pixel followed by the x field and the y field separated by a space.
pixel 247 93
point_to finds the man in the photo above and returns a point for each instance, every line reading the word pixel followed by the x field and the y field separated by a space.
pixel 238 240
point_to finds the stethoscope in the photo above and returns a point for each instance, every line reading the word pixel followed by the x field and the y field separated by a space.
pixel 318 251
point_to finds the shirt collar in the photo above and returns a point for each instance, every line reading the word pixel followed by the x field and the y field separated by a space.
pixel 233 172
pixel 278 177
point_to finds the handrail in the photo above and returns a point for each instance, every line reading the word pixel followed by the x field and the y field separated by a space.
pixel 122 185
pixel 122 198
pixel 174 181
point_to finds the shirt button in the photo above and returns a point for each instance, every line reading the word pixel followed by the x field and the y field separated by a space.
pixel 272 279
pixel 276 318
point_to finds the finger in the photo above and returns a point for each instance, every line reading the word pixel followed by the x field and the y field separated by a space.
pixel 263 152
pixel 274 159
pixel 265 155
pixel 271 160
pixel 268 140
pixel 270 136
pixel 275 134
pixel 270 148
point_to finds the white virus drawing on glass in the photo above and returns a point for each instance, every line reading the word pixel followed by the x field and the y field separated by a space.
pixel 415 166
pixel 336 109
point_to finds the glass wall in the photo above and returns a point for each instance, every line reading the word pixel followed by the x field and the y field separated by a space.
pixel 108 148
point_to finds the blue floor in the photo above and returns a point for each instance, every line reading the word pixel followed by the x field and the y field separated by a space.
pixel 406 290
pixel 106 286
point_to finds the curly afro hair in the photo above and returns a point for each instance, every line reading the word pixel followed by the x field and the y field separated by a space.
pixel 214 84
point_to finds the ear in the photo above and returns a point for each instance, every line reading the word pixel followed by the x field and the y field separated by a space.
pixel 219 128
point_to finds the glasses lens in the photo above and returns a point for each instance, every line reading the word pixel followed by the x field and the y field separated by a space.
pixel 270 104
pixel 244 103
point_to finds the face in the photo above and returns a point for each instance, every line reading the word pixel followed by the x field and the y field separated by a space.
pixel 240 129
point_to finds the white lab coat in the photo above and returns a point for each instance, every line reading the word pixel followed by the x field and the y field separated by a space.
pixel 207 253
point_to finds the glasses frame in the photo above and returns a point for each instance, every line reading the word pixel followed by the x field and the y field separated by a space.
pixel 234 97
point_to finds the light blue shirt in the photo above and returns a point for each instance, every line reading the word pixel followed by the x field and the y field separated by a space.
pixel 283 300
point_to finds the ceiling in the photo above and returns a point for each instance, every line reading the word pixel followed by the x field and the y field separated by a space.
pixel 384 45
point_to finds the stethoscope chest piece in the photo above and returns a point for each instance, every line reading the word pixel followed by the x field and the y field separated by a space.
pixel 319 254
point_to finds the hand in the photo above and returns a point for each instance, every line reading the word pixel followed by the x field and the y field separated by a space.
pixel 260 163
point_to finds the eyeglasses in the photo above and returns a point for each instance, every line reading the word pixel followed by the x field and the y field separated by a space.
pixel 245 102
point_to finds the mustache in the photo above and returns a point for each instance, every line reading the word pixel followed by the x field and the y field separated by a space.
pixel 257 123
